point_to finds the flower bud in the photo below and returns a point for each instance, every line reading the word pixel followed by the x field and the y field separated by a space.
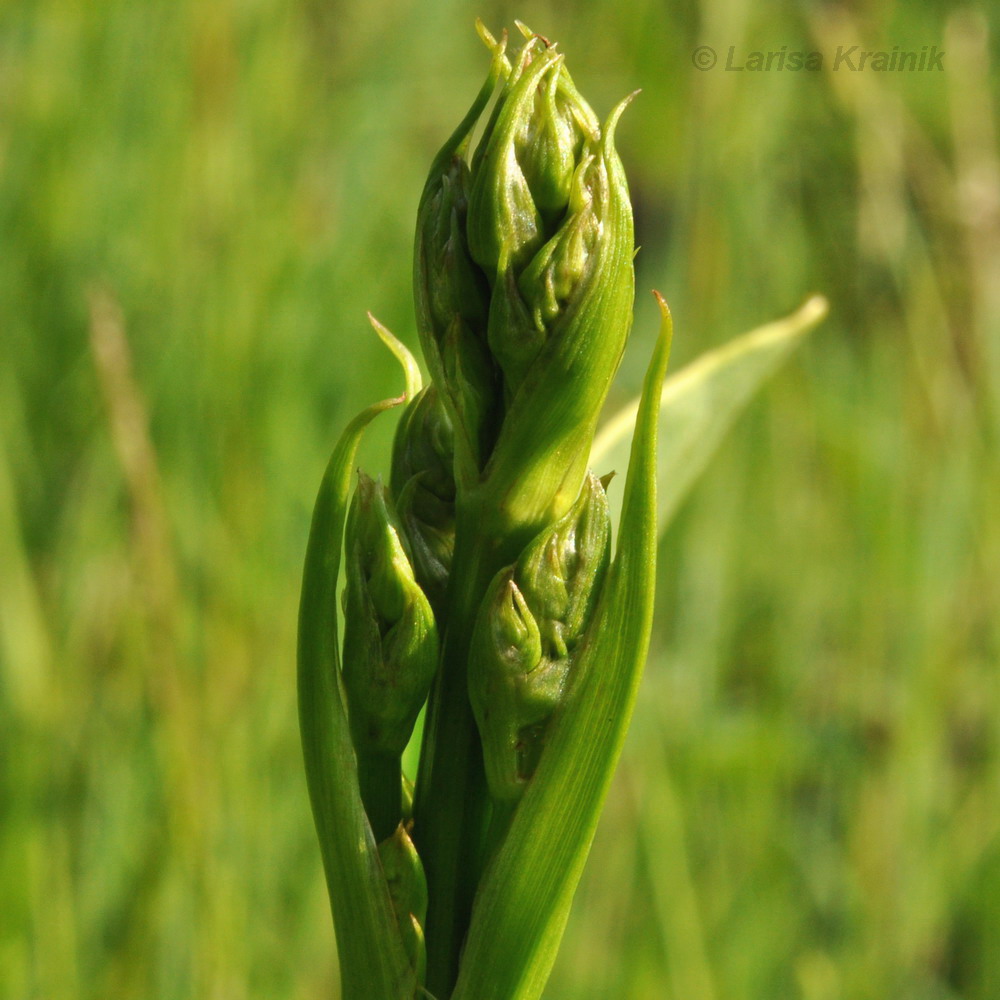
pixel 533 618
pixel 451 283
pixel 548 282
pixel 561 569
pixel 404 875
pixel 552 141
pixel 524 310
pixel 424 446
pixel 505 226
pixel 390 636
pixel 423 486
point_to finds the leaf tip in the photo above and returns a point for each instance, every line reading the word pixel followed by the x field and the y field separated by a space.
pixel 666 321
pixel 814 309
pixel 411 370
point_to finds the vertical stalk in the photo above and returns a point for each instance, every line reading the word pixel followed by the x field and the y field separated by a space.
pixel 380 779
pixel 451 808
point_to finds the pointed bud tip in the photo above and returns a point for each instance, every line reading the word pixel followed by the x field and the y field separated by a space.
pixel 497 46
pixel 611 125
pixel 485 34
pixel 532 35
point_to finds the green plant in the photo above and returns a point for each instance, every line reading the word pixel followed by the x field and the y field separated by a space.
pixel 482 577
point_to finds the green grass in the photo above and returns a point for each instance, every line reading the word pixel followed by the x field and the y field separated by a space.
pixel 809 806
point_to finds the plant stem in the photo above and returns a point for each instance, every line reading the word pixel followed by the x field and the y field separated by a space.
pixel 380 778
pixel 451 809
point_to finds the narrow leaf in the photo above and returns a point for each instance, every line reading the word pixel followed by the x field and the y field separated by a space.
pixel 373 962
pixel 700 403
pixel 524 899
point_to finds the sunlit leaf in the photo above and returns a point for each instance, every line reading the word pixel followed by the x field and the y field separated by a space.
pixel 699 404
pixel 373 960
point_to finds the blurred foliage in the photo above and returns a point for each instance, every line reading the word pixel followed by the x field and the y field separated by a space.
pixel 198 201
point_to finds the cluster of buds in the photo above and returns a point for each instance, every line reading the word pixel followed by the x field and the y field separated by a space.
pixel 524 286
pixel 492 535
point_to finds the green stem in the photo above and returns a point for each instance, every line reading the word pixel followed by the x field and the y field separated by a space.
pixel 380 778
pixel 451 809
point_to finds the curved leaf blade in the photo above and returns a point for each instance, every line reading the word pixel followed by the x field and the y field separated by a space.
pixel 700 403
pixel 373 961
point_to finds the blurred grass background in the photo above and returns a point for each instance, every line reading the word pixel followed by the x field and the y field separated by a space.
pixel 199 200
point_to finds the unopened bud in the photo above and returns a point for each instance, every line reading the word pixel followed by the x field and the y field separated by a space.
pixel 404 875
pixel 423 486
pixel 532 620
pixel 561 570
pixel 390 636
pixel 553 140
pixel 424 446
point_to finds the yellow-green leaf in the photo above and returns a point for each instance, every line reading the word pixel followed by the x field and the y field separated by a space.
pixel 700 403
